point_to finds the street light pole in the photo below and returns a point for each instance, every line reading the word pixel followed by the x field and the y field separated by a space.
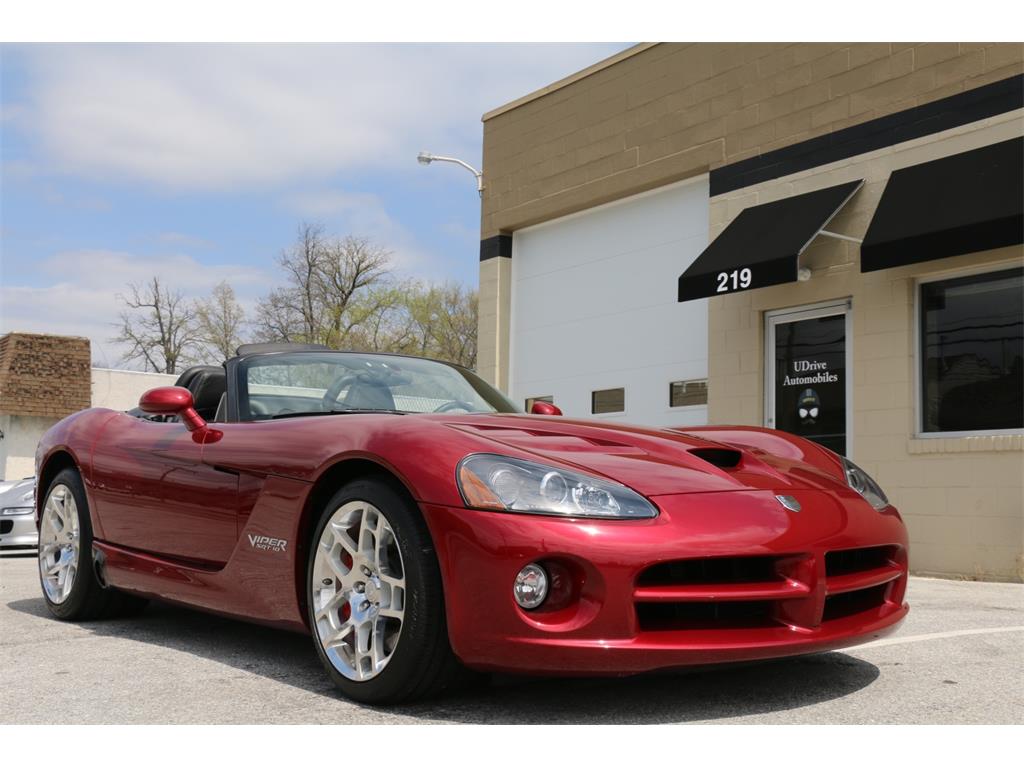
pixel 426 158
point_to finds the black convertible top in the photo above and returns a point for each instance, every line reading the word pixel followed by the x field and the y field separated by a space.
pixel 278 346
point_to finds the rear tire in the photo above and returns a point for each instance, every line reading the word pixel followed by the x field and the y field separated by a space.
pixel 375 598
pixel 70 587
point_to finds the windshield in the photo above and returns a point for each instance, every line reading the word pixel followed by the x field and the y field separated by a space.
pixel 307 383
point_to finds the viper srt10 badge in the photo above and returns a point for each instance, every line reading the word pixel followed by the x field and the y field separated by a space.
pixel 267 543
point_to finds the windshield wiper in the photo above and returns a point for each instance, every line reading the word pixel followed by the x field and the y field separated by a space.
pixel 368 410
pixel 292 414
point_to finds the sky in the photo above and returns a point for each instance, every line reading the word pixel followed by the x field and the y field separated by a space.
pixel 198 163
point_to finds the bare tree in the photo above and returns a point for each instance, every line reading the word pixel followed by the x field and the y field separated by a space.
pixel 340 292
pixel 303 265
pixel 220 321
pixel 158 325
pixel 278 318
pixel 352 266
pixel 327 281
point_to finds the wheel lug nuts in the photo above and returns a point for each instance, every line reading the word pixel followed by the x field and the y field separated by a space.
pixel 366 571
pixel 365 606
pixel 328 582
pixel 360 587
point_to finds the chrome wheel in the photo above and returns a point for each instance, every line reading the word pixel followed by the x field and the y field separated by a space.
pixel 59 535
pixel 358 590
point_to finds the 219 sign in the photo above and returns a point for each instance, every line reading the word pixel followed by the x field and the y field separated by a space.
pixel 731 281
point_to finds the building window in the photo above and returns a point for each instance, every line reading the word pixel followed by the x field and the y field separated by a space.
pixel 608 400
pixel 972 351
pixel 682 393
pixel 539 399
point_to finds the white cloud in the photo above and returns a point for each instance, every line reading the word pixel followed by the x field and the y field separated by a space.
pixel 364 208
pixel 230 116
pixel 81 298
pixel 365 214
pixel 113 270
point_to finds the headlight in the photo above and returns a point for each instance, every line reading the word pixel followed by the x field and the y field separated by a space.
pixel 489 481
pixel 862 483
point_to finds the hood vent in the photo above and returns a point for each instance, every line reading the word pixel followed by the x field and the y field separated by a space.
pixel 724 458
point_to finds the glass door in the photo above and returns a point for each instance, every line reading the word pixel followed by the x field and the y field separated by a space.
pixel 807 371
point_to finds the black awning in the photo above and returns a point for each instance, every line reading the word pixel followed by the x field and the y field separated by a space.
pixel 763 244
pixel 963 203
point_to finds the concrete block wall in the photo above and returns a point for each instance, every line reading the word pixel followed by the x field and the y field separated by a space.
pixel 672 110
pixel 120 390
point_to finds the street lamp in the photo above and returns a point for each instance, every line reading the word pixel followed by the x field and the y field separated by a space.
pixel 425 158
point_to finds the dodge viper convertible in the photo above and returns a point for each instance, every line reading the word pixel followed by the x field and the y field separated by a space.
pixel 403 513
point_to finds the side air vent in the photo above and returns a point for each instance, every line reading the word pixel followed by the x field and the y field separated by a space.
pixel 725 458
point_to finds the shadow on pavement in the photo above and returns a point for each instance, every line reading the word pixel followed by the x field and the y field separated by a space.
pixel 702 694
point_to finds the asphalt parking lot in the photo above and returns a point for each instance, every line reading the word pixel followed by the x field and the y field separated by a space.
pixel 957 659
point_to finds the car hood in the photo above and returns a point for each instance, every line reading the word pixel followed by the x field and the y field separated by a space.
pixel 651 461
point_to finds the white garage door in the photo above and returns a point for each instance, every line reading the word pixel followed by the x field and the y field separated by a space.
pixel 594 308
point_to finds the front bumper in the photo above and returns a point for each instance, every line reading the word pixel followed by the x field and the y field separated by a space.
pixel 717 577
pixel 18 531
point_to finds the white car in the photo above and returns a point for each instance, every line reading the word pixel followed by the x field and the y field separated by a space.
pixel 17 523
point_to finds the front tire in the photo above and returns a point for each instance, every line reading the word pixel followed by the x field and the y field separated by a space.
pixel 375 600
pixel 70 587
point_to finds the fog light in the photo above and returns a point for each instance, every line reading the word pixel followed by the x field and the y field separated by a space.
pixel 531 586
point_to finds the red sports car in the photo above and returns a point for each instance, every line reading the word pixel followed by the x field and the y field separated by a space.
pixel 403 513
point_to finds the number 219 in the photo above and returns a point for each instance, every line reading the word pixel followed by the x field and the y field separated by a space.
pixel 739 278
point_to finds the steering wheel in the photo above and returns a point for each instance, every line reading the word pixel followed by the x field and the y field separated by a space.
pixel 330 398
pixel 453 405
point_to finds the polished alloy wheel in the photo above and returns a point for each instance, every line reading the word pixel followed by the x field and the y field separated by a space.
pixel 358 590
pixel 59 534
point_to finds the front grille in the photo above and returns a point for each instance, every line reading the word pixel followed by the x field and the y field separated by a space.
pixel 711 570
pixel 846 561
pixel 851 603
pixel 766 591
pixel 654 617
pixel 718 592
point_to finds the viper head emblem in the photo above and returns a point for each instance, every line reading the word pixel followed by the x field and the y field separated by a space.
pixel 789 503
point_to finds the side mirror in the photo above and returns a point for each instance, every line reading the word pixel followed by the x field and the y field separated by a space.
pixel 540 408
pixel 173 401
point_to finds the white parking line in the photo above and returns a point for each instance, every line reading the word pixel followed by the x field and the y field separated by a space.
pixel 936 636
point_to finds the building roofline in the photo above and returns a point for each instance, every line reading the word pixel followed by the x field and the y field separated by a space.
pixel 573 78
pixel 40 335
pixel 130 371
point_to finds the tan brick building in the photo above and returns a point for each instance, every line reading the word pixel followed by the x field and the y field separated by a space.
pixel 601 191
pixel 44 378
